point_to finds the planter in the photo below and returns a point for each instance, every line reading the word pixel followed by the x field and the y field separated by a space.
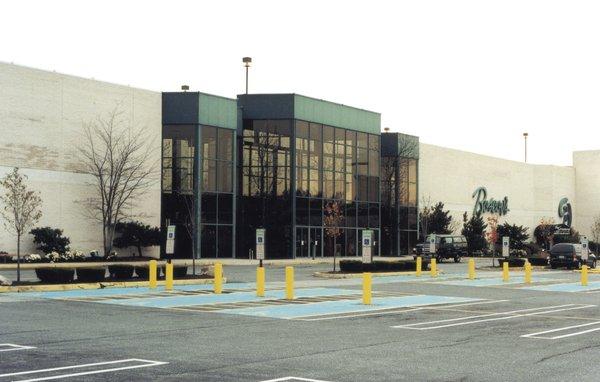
pixel 91 275
pixel 356 266
pixel 514 262
pixel 143 272
pixel 55 275
pixel 121 272
pixel 178 271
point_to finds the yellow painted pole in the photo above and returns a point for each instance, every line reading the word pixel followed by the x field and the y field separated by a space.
pixel 433 268
pixel 527 273
pixel 505 274
pixel 367 288
pixel 169 276
pixel 260 281
pixel 289 283
pixel 419 266
pixel 218 281
pixel 471 269
pixel 152 267
pixel 584 275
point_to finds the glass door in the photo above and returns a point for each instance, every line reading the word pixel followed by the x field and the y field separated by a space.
pixel 316 242
pixel 302 242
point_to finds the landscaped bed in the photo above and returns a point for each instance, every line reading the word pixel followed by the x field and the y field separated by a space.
pixel 377 266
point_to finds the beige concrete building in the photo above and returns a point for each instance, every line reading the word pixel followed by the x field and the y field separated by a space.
pixel 41 119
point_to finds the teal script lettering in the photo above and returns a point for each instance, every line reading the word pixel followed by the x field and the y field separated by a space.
pixel 484 205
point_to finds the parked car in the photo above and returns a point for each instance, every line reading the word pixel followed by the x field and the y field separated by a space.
pixel 569 255
pixel 446 247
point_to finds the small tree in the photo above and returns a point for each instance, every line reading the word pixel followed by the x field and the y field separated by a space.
pixel 517 234
pixel 332 220
pixel 436 220
pixel 544 232
pixel 21 208
pixel 491 235
pixel 136 234
pixel 474 230
pixel 50 240
pixel 595 231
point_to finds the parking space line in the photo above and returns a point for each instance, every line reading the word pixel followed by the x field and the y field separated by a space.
pixel 486 317
pixel 14 347
pixel 294 379
pixel 141 363
pixel 540 334
pixel 396 311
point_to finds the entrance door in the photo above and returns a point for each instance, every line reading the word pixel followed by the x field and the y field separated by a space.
pixel 302 242
pixel 316 242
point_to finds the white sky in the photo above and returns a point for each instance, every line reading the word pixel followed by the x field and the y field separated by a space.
pixel 472 75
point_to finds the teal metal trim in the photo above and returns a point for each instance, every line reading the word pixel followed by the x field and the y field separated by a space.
pixel 335 114
pixel 217 111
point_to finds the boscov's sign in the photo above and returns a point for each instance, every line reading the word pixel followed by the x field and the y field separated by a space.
pixel 484 205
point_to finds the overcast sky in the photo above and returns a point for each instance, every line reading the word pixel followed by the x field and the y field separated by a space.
pixel 471 75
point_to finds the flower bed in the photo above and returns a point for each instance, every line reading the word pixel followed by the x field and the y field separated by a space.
pixel 91 275
pixel 121 271
pixel 55 275
pixel 357 266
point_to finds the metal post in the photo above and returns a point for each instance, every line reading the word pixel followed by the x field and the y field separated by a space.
pixel 246 80
pixel 525 135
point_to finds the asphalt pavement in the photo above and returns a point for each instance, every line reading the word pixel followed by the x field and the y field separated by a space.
pixel 418 329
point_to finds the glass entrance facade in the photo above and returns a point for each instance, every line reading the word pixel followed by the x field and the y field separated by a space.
pixel 310 172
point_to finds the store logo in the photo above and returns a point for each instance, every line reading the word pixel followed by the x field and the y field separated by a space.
pixel 565 212
pixel 484 205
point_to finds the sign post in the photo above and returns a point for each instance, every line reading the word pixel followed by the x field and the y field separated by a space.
pixel 260 245
pixel 505 246
pixel 431 240
pixel 367 243
pixel 585 248
pixel 170 245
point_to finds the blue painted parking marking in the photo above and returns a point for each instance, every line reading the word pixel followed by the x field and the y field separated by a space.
pixel 485 281
pixel 346 306
pixel 567 287
pixel 182 301
pixel 83 293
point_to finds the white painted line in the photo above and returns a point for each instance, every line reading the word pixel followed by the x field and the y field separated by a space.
pixel 293 379
pixel 144 363
pixel 396 311
pixel 539 334
pixel 505 316
pixel 13 347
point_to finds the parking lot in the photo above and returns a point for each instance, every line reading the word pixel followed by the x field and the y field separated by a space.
pixel 417 328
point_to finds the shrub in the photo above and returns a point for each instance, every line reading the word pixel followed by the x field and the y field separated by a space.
pixel 357 266
pixel 136 234
pixel 473 230
pixel 516 233
pixel 55 275
pixel 91 275
pixel 50 240
pixel 121 271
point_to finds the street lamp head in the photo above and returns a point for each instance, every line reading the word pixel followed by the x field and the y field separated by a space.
pixel 185 88
pixel 247 61
pixel 525 135
pixel 386 129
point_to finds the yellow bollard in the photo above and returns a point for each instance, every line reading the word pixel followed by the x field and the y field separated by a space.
pixel 471 269
pixel 433 268
pixel 584 275
pixel 527 273
pixel 419 266
pixel 169 276
pixel 505 274
pixel 218 281
pixel 260 281
pixel 366 288
pixel 289 283
pixel 152 274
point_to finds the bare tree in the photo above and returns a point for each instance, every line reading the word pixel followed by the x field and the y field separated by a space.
pixel 595 230
pixel 332 219
pixel 119 159
pixel 424 215
pixel 21 209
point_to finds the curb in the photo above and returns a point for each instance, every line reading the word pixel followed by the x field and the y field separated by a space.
pixel 80 286
pixel 326 275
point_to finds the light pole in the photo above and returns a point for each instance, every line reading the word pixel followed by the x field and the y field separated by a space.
pixel 525 135
pixel 247 61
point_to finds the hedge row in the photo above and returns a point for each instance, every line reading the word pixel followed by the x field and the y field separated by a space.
pixel 520 262
pixel 356 266
pixel 98 274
